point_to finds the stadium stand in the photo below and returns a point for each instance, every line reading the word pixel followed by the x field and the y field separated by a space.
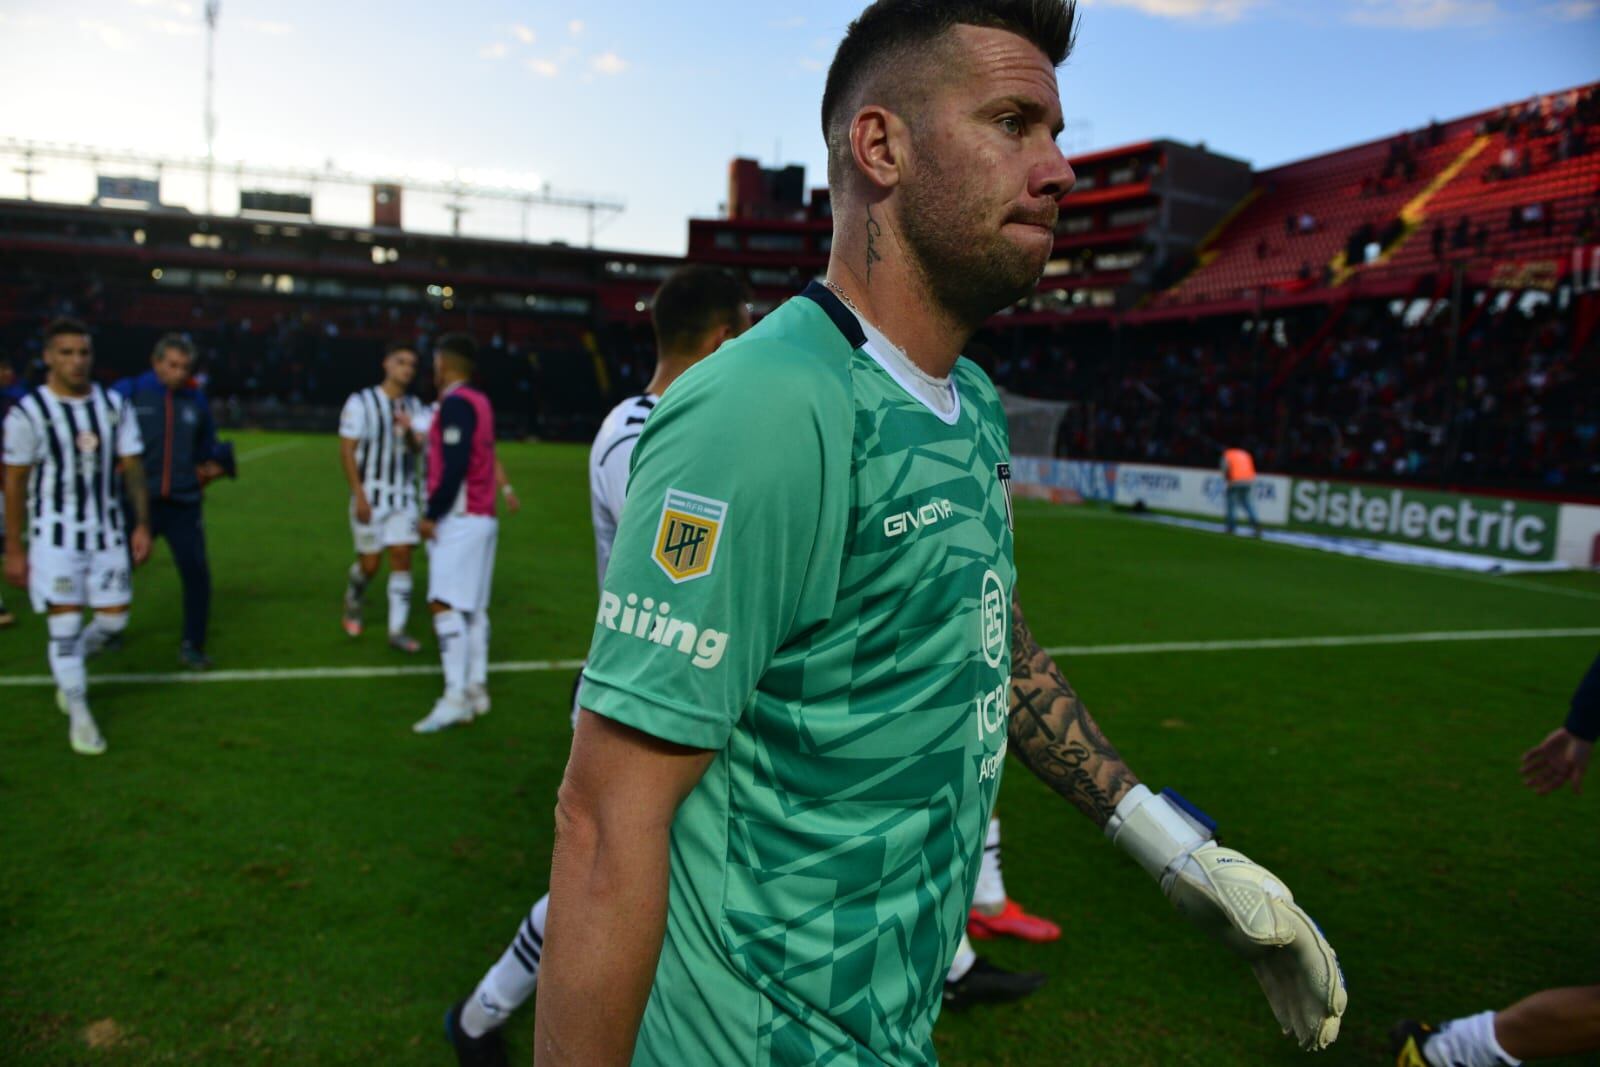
pixel 1305 311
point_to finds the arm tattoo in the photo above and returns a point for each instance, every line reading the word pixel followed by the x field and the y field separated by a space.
pixel 874 231
pixel 1054 735
pixel 138 493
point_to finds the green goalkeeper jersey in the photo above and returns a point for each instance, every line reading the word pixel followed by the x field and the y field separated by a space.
pixel 813 577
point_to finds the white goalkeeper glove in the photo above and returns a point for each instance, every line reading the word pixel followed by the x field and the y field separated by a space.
pixel 1242 904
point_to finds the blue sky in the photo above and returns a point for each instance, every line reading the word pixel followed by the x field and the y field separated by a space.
pixel 648 102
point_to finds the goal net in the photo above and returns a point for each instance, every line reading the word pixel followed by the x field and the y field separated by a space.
pixel 1034 424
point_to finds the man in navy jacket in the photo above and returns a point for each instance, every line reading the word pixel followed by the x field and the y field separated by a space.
pixel 181 456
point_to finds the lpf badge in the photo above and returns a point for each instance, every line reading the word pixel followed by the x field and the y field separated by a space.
pixel 88 442
pixel 688 535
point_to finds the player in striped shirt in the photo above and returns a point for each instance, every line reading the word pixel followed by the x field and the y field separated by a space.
pixel 70 448
pixel 379 443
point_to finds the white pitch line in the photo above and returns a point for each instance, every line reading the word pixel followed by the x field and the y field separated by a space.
pixel 267 450
pixel 1344 641
pixel 296 674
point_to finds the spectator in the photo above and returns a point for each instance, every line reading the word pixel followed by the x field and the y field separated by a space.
pixel 1438 240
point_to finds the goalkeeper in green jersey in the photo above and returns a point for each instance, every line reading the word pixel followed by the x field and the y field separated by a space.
pixel 808 663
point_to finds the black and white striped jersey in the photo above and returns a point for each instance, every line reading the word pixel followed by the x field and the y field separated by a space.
pixel 72 445
pixel 384 455
pixel 609 461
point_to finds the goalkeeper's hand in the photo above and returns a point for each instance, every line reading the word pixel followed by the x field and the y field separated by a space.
pixel 1242 904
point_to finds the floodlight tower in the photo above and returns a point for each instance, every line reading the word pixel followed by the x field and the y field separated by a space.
pixel 212 8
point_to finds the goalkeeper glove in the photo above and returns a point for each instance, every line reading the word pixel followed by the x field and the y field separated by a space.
pixel 1242 904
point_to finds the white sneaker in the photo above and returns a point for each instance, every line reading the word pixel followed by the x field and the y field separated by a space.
pixel 478 699
pixel 446 713
pixel 85 735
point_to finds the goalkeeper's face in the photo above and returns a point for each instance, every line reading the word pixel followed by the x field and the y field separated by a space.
pixel 980 193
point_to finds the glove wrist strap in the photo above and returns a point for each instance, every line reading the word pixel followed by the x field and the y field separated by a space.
pixel 1158 830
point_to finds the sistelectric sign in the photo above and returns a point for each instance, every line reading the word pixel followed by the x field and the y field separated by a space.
pixel 1493 526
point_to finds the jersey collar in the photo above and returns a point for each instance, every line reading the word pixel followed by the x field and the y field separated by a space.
pixel 842 318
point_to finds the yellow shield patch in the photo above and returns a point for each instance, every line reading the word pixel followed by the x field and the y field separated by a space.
pixel 688 535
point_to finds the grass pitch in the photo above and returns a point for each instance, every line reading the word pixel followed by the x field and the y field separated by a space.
pixel 279 871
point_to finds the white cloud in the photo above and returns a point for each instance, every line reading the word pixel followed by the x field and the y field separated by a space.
pixel 174 28
pixel 1574 10
pixel 177 7
pixel 1216 10
pixel 108 35
pixel 267 27
pixel 497 50
pixel 812 64
pixel 609 63
pixel 543 67
pixel 575 27
pixel 523 34
pixel 1424 14
pixel 794 22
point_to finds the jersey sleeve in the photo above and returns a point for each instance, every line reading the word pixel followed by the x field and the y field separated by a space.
pixel 23 448
pixel 130 442
pixel 730 485
pixel 353 419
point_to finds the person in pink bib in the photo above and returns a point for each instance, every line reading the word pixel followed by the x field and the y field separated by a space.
pixel 460 528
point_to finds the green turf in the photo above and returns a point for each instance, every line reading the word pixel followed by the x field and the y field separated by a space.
pixel 281 872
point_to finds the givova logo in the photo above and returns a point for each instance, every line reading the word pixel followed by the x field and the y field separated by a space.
pixel 1521 529
pixel 652 622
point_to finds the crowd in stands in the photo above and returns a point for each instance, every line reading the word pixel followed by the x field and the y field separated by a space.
pixel 1566 117
pixel 1374 397
pixel 294 354
pixel 1371 393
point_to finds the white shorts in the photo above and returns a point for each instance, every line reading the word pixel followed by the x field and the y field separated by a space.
pixel 461 561
pixel 396 526
pixel 66 576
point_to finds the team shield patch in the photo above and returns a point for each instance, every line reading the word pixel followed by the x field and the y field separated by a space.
pixel 688 535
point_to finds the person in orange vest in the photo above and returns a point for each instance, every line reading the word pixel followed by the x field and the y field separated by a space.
pixel 1239 469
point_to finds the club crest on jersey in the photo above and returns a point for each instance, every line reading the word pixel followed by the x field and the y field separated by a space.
pixel 88 442
pixel 688 535
pixel 1003 472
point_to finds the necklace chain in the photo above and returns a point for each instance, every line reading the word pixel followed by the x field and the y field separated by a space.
pixel 905 360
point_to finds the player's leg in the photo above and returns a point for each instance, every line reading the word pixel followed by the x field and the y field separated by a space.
pixel 400 585
pixel 186 539
pixel 974 980
pixel 1554 1022
pixel 110 592
pixel 368 539
pixel 994 914
pixel 452 590
pixel 58 586
pixel 507 985
pixel 478 629
pixel 6 617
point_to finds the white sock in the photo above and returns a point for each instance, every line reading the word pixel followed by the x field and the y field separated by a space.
pixel 101 629
pixel 990 894
pixel 478 648
pixel 451 629
pixel 399 600
pixel 66 658
pixel 1468 1042
pixel 510 982
pixel 963 962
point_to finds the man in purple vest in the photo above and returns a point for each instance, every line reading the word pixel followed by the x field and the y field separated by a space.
pixel 460 528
